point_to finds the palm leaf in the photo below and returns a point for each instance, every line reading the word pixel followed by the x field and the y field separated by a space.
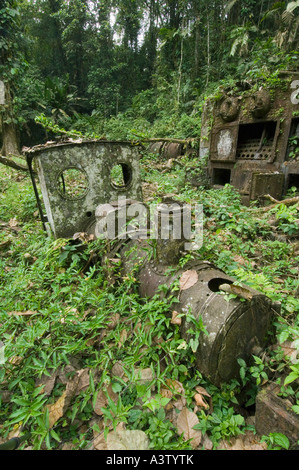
pixel 292 5
pixel 229 6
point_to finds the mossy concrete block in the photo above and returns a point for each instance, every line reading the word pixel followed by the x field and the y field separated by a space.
pixel 274 414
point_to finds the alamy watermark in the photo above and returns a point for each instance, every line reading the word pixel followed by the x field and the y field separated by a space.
pixel 173 221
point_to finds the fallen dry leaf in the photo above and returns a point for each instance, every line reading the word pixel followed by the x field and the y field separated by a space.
pixel 166 393
pixel 113 322
pixel 290 350
pixel 199 400
pixel 175 386
pixel 83 383
pixel 118 371
pixel 127 440
pixel 239 259
pixel 180 403
pixel 123 338
pixel 172 416
pixel 83 237
pixel 188 279
pixel 57 410
pixel 99 441
pixel 15 360
pixel 27 313
pixel 201 391
pixel 247 441
pixel 207 444
pixel 68 446
pixel 65 373
pixel 185 423
pixel 102 400
pixel 16 431
pixel 175 318
pixel 13 223
pixel 144 375
pixel 47 382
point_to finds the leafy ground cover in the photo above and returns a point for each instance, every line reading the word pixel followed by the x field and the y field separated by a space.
pixel 85 362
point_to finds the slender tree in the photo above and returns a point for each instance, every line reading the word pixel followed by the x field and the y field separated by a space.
pixel 9 65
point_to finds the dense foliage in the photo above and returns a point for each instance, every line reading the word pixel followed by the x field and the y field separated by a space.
pixel 133 69
pixel 62 317
pixel 80 62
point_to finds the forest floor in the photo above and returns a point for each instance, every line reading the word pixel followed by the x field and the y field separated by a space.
pixel 86 364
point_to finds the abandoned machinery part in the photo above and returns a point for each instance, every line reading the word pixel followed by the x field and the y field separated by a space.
pixel 251 140
pixel 77 179
pixel 237 327
pixel 76 176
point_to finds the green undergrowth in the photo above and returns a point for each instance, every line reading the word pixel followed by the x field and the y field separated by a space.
pixel 62 316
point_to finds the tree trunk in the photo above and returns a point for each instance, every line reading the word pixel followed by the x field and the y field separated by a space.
pixel 196 48
pixel 10 143
pixel 208 50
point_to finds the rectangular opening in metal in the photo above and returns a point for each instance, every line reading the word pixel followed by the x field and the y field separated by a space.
pixel 221 176
pixel 293 181
pixel 255 141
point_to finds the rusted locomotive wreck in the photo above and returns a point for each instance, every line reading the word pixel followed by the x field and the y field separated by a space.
pixel 78 188
pixel 235 328
pixel 252 139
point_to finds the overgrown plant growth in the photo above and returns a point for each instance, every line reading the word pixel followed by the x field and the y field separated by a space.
pixel 81 63
pixel 83 357
pixel 84 362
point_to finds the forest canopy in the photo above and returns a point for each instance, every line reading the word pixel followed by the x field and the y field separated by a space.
pixel 107 67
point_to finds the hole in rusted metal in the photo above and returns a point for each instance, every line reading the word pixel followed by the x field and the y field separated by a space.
pixel 221 176
pixel 73 183
pixel 215 283
pixel 293 180
pixel 255 140
pixel 121 175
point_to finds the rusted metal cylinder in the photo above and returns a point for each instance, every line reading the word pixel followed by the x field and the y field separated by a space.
pixel 236 327
pixel 156 147
pixel 172 150
pixel 173 222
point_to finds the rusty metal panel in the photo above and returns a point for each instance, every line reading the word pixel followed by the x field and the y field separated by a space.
pixel 267 183
pixel 223 143
pixel 76 177
pixel 241 179
pixel 257 141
